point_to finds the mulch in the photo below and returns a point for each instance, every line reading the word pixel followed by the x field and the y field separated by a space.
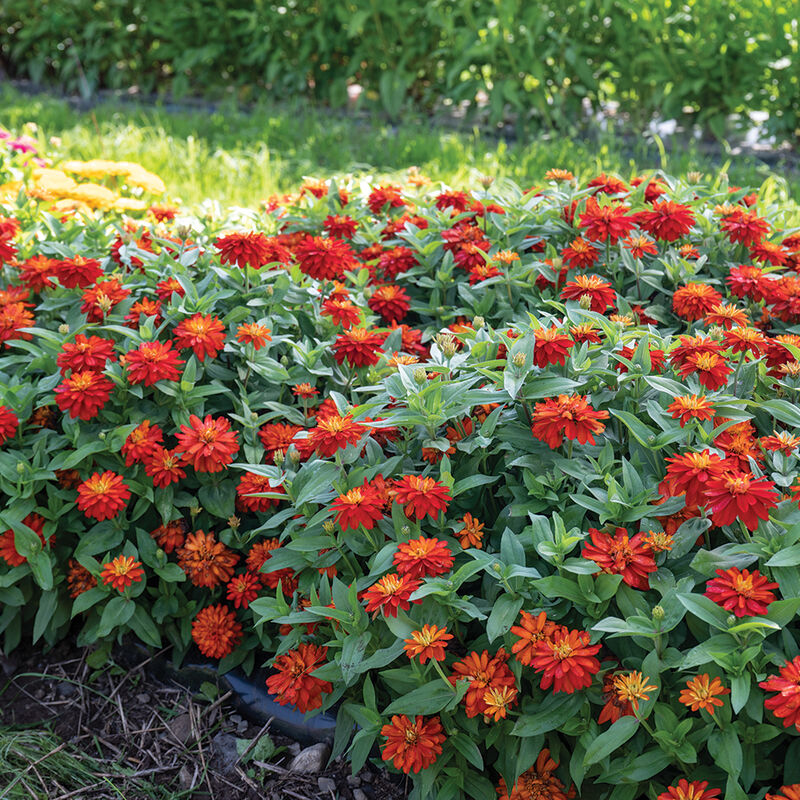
pixel 150 738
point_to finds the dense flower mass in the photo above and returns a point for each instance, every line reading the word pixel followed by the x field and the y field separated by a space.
pixel 503 476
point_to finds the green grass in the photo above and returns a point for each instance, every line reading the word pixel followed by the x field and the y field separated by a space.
pixel 240 158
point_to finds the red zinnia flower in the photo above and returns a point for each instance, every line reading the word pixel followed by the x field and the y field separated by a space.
pixel 325 259
pixel 694 300
pixel 784 442
pixel 727 316
pixel 251 484
pixel 100 299
pixel 421 496
pixel 103 496
pixel 667 221
pixel 691 406
pixel 153 361
pixel 745 593
pixel 360 506
pixel 146 306
pixel 570 416
pixel 421 558
pixel 395 261
pixel 142 441
pixel 341 311
pixel 530 631
pixel 243 249
pixel 537 783
pixel 745 227
pixel 78 272
pixel 166 288
pixel 85 353
pixel 203 333
pixel 610 222
pixel 607 184
pixel 786 704
pixel 552 347
pixel 14 317
pixel 566 661
pixel 712 369
pixel 741 340
pixel 412 746
pixel 380 196
pixel 737 495
pixel 358 347
pixel 121 572
pixel 696 790
pixel 639 246
pixel 216 631
pixel 599 291
pixel 295 684
pixel 36 271
pixel 164 467
pixel 692 473
pixel 243 589
pixel 621 555
pixel 255 334
pixel 390 593
pixel 580 254
pixel 391 302
pixel 340 227
pixel 208 444
pixel 748 281
pixel 334 433
pixel 277 437
pixel 9 423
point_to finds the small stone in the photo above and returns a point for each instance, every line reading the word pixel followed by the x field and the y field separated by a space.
pixel 366 776
pixel 185 778
pixel 143 698
pixel 359 795
pixel 294 748
pixel 327 785
pixel 225 752
pixel 181 727
pixel 66 689
pixel 353 780
pixel 311 759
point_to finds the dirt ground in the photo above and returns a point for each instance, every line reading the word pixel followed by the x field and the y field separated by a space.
pixel 123 733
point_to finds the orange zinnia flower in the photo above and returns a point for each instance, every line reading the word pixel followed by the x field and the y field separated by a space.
pixel 359 347
pixel 667 221
pixel 621 555
pixel 566 661
pixel 255 334
pixel 497 701
pixel 412 746
pixel 333 433
pixel 786 703
pixel 615 706
pixel 580 254
pixel 164 467
pixel 103 496
pixel 691 473
pixel 702 693
pixel 727 316
pixel 421 496
pixel 121 572
pixel 208 445
pixel 325 259
pixel 691 406
pixel 600 292
pixel 243 589
pixel 294 684
pixel 694 300
pixel 632 688
pixel 658 541
pixel 606 223
pixel 216 631
pixel 429 642
pixel 482 671
pixel 471 535
pixel 745 593
pixel 421 557
pixel 203 333
pixel 791 792
pixel 170 536
pixel 696 790
pixel 251 484
pixel 206 561
pixel 530 631
pixel 566 416
pixel 538 782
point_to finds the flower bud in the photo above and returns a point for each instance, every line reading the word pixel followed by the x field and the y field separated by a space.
pixel 731 620
pixel 328 526
pixel 294 456
pixel 183 231
pixel 486 181
pixel 278 457
pixel 420 375
pixel 496 567
pixel 405 530
pixel 63 329
pixel 101 436
pixel 716 332
pixel 253 416
pixel 558 262
pixel 694 177
pixel 20 467
pixel 233 522
pixel 585 301
pixel 195 510
pixel 478 323
pixel 518 360
pixel 658 613
pixel 449 350
pixel 270 291
pixel 285 361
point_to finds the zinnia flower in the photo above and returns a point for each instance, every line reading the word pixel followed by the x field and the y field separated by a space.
pixel 243 249
pixel 9 423
pixel 738 495
pixel 633 687
pixel 580 254
pixel 412 746
pixel 359 506
pixel 78 272
pixel 251 484
pixel 621 555
pixel 786 703
pixel 390 593
pixel 537 783
pixel 691 406
pixel 530 631
pixel 79 579
pixel 430 642
pixel 694 300
pixel 787 793
pixel 471 535
pixel 358 347
pixel 333 433
pixel 610 222
pixel 295 684
pixel 243 589
pixel 745 593
pixel 83 394
pixel 551 347
pixel 255 334
pixel 483 672
pixel 712 369
pixel 171 536
pixel 209 445
pixel 103 496
pixel 745 227
pixel 615 707
pixel 421 496
pixel 86 353
pixel 567 661
pixel 121 572
pixel 325 259
pixel 8 547
pixel 696 790
pixel 702 692
pixel 667 221
pixel 206 561
pixel 421 558
pixel 151 362
pixel 164 467
pixel 203 333
pixel 566 416
pixel 691 473
pixel 390 302
pixel 277 437
pixel 141 442
pixel 600 292
pixel 216 631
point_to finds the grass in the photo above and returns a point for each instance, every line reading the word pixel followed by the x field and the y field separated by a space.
pixel 240 158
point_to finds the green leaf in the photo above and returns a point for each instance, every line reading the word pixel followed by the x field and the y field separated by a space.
pixel 47 608
pixel 608 741
pixel 553 712
pixel 556 586
pixel 788 557
pixel 705 609
pixel 314 483
pixel 352 656
pixel 428 699
pixel 141 623
pixel 504 612
pixel 116 613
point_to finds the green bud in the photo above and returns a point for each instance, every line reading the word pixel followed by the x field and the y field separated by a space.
pixel 20 467
pixel 658 612
pixel 585 301
pixel 478 323
pixel 405 530
pixel 328 526
pixel 63 329
pixel 420 375
pixel 518 360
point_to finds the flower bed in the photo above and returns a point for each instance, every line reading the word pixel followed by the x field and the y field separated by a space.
pixel 507 475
